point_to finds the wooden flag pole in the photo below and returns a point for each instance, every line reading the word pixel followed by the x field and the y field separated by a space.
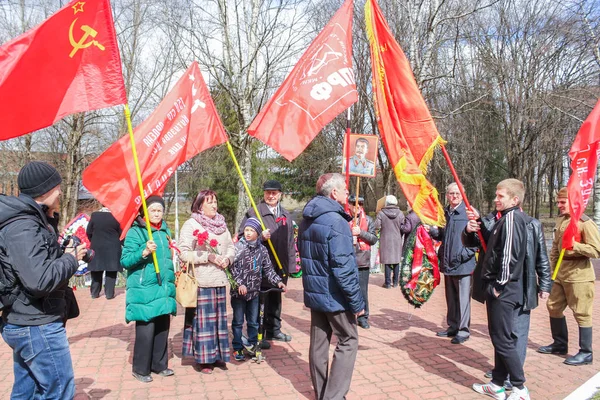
pixel 141 187
pixel 347 155
pixel 239 170
pixel 461 190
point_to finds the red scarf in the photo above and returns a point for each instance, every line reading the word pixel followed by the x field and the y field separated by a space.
pixel 364 226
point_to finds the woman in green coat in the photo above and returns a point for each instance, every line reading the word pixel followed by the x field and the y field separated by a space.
pixel 148 303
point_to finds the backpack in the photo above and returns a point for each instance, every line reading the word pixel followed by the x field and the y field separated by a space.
pixel 8 291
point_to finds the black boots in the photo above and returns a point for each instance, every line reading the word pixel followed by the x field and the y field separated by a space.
pixel 558 326
pixel 584 356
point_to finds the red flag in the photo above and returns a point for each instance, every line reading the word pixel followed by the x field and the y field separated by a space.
pixel 584 155
pixel 405 124
pixel 70 63
pixel 184 124
pixel 319 88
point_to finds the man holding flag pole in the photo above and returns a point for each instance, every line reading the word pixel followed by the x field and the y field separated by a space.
pixel 576 241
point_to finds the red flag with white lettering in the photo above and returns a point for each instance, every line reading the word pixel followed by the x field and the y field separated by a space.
pixel 69 63
pixel 184 124
pixel 318 89
pixel 584 159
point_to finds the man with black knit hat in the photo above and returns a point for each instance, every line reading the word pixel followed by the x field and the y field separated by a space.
pixel 34 294
pixel 280 229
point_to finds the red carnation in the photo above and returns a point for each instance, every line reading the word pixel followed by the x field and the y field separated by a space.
pixel 214 243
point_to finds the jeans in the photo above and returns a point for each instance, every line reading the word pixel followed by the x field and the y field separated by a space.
pixel 243 308
pixel 42 361
pixel 363 283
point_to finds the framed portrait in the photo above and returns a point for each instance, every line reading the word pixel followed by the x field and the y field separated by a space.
pixel 363 155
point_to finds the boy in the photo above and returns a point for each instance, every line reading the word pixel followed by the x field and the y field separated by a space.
pixel 251 264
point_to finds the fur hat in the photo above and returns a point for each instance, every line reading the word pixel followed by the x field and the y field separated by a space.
pixel 352 199
pixel 563 193
pixel 37 178
pixel 254 224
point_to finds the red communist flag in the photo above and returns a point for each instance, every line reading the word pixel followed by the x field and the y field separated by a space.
pixel 184 124
pixel 319 88
pixel 584 159
pixel 405 124
pixel 70 63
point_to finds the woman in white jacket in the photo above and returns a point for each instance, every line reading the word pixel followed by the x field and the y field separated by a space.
pixel 205 243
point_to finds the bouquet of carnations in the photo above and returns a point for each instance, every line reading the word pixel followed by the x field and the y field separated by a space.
pixel 202 238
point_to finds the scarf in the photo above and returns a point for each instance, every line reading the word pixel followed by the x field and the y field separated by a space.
pixel 364 226
pixel 215 225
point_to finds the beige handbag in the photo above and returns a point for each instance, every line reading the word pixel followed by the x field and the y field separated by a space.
pixel 186 287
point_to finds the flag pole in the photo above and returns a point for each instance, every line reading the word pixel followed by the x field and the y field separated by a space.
pixel 461 190
pixel 347 155
pixel 141 186
pixel 558 263
pixel 176 207
pixel 239 170
pixel 356 199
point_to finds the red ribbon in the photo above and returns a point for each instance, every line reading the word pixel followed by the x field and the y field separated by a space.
pixel 281 219
pixel 423 242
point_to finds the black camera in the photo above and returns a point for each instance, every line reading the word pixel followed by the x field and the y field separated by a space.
pixel 89 255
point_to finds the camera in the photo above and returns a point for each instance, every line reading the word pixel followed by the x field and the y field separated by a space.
pixel 89 255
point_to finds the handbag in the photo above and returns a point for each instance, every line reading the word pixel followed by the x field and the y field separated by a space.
pixel 186 287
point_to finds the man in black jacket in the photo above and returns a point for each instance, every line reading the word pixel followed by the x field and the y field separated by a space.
pixel 363 237
pixel 457 263
pixel 502 274
pixel 34 275
pixel 536 283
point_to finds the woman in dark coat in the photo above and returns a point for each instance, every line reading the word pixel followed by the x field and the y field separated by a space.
pixel 104 232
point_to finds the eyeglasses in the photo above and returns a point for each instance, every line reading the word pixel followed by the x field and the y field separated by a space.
pixel 454 194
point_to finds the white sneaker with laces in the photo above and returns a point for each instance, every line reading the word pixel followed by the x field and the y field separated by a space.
pixel 490 389
pixel 519 394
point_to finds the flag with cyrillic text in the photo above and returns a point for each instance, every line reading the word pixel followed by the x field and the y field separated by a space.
pixel 320 87
pixel 584 155
pixel 184 124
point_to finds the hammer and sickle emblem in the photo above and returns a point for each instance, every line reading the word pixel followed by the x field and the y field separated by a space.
pixel 88 31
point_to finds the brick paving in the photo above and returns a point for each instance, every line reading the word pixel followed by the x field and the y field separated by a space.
pixel 399 357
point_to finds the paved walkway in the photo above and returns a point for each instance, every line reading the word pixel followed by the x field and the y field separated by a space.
pixel 399 358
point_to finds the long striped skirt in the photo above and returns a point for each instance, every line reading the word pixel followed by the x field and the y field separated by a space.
pixel 205 334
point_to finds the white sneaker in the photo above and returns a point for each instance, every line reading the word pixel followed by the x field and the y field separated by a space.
pixel 492 390
pixel 519 394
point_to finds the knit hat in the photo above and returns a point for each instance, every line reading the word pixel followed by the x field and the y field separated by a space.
pixel 563 193
pixel 272 185
pixel 254 224
pixel 152 200
pixel 37 178
pixel 391 200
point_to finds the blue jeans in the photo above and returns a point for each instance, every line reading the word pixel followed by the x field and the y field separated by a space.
pixel 42 361
pixel 249 309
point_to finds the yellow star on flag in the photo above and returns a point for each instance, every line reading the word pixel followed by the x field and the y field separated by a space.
pixel 78 7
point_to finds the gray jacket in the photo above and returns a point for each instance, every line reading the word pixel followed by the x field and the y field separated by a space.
pixel 393 226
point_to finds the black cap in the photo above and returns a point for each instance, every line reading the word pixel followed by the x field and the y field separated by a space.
pixel 37 178
pixel 352 199
pixel 272 185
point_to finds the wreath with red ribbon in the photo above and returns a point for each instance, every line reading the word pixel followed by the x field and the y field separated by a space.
pixel 419 271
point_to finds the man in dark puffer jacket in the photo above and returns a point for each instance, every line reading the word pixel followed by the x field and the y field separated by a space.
pixel 36 273
pixel 331 288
